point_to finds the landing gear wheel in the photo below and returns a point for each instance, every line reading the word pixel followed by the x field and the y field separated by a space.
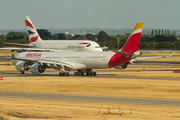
pixel 94 73
pixel 75 73
pixel 91 73
pixel 22 72
pixel 63 74
pixel 67 74
pixel 82 74
pixel 60 73
pixel 87 73
pixel 79 73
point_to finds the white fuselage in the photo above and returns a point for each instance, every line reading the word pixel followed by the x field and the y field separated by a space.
pixel 89 59
pixel 67 45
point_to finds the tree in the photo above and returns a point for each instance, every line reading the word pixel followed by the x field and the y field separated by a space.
pixel 168 32
pixel 159 38
pixel 165 32
pixel 102 36
pixel 174 33
pixel 1 41
pixel 162 32
pixel 159 33
pixel 171 38
pixel 155 32
pixel 79 37
pixel 166 45
pixel 144 46
pixel 152 33
pixel 90 37
pixel 122 42
pixel 44 34
pixel 61 36
pixel 146 39
pixel 16 35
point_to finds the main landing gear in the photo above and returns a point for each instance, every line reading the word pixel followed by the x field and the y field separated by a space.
pixel 63 73
pixel 88 73
pixel 91 73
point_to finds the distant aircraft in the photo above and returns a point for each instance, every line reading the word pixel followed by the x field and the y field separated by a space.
pixel 53 45
pixel 82 61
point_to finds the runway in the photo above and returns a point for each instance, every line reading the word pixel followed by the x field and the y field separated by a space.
pixel 5 59
pixel 54 73
pixel 90 98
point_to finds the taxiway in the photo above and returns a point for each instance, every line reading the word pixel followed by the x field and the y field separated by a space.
pixel 15 73
pixel 90 98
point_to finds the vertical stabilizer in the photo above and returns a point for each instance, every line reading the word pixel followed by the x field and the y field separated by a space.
pixel 33 34
pixel 132 44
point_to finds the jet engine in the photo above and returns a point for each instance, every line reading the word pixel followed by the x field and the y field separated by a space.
pixel 37 68
pixel 22 66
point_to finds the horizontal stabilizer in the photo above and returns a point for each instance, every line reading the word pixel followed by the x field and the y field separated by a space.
pixel 154 52
pixel 138 58
pixel 123 53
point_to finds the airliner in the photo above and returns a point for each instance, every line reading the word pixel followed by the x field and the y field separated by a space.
pixel 53 45
pixel 81 61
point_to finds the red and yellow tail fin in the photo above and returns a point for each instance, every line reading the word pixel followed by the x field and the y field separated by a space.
pixel 138 26
pixel 132 44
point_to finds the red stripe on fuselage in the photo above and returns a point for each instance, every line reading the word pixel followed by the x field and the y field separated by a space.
pixel 118 59
pixel 84 43
pixel 29 24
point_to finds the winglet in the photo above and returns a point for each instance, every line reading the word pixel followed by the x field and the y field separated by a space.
pixel 132 44
pixel 169 54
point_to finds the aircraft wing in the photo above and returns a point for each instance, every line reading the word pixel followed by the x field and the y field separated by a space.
pixel 146 57
pixel 28 49
pixel 18 44
pixel 61 64
pixel 22 49
pixel 56 64
pixel 31 49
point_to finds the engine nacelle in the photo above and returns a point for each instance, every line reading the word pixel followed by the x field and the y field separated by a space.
pixel 22 66
pixel 37 68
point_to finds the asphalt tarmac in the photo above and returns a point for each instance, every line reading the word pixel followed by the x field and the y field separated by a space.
pixel 87 98
pixel 90 98
pixel 55 73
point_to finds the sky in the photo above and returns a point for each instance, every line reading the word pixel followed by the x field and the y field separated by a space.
pixel 118 14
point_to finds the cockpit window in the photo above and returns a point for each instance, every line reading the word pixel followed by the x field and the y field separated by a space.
pixel 97 47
